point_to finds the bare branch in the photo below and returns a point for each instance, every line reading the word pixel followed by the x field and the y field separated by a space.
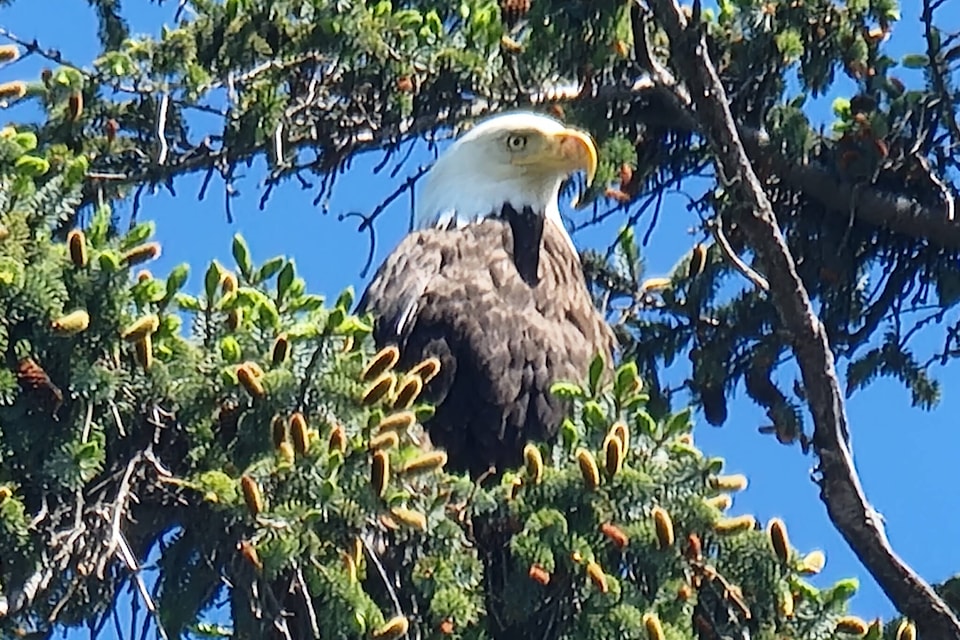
pixel 758 280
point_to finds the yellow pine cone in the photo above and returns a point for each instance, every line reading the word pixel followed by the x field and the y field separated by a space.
pixel 399 421
pixel 409 517
pixel 597 576
pixel 426 462
pixel 735 482
pixel 393 629
pixel 338 439
pixel 228 282
pixel 621 430
pixel 786 604
pixel 251 494
pixel 280 351
pixel 298 433
pixel 385 440
pixel 408 392
pixel 380 472
pixel 533 463
pixel 382 362
pixel 852 625
pixel 654 284
pixel 75 106
pixel 735 525
pixel 812 563
pixel 250 381
pixel 777 531
pixel 721 502
pixel 144 351
pixel 663 523
pixel 77 244
pixel 613 455
pixel 588 468
pixel 615 535
pixel 9 52
pixel 654 629
pixel 907 630
pixel 144 326
pixel 16 89
pixel 72 323
pixel 278 431
pixel 142 253
pixel 379 389
pixel 426 370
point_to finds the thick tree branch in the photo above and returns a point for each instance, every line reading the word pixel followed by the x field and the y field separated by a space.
pixel 846 503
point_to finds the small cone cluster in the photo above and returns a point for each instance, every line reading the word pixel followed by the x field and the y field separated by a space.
pixel 399 392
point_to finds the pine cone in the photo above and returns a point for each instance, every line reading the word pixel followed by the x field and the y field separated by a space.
pixel 513 11
pixel 37 384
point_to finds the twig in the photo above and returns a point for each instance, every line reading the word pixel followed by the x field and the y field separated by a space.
pixel 162 128
pixel 308 601
pixel 87 422
pixel 375 560
pixel 716 228
pixel 119 509
pixel 854 517
pixel 367 220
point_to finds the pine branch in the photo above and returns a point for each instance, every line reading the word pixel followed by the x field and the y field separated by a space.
pixel 841 491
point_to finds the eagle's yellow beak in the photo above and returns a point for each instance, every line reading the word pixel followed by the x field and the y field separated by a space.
pixel 577 151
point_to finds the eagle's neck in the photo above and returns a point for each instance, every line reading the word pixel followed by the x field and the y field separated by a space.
pixel 450 200
pixel 526 226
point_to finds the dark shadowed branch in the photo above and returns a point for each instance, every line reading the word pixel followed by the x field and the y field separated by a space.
pixel 840 487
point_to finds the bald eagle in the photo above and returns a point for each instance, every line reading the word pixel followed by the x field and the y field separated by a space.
pixel 490 283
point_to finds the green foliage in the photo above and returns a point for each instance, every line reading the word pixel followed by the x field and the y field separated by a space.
pixel 262 471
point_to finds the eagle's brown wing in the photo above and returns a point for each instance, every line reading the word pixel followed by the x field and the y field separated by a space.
pixel 457 295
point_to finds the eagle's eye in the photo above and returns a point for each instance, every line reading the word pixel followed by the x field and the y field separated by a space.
pixel 516 142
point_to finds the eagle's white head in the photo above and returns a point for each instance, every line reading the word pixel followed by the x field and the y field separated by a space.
pixel 519 158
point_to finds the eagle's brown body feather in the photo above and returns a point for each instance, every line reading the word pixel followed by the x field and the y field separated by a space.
pixel 502 343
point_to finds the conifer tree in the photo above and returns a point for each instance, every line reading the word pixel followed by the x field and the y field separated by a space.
pixel 250 431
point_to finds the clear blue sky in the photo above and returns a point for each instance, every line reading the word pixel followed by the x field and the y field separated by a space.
pixel 906 458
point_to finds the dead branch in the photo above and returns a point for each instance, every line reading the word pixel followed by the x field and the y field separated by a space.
pixel 841 491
